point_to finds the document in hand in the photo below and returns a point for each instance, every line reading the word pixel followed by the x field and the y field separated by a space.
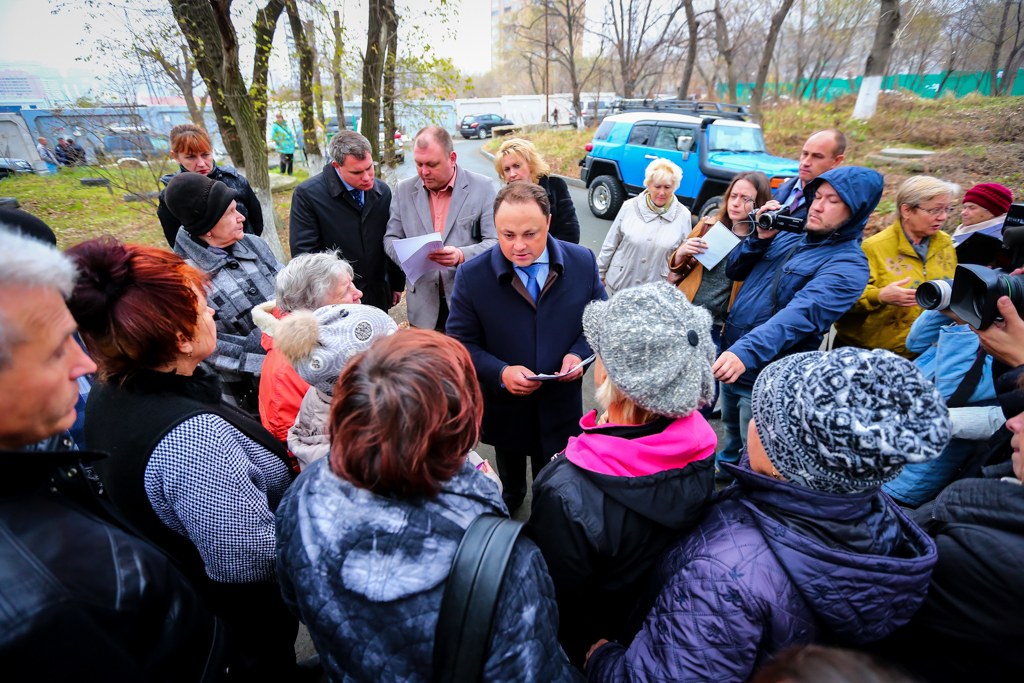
pixel 720 241
pixel 582 364
pixel 413 252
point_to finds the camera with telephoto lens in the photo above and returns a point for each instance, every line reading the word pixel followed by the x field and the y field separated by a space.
pixel 779 220
pixel 977 288
pixel 935 295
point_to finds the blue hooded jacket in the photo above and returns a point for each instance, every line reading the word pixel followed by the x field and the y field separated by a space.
pixel 771 565
pixel 818 284
pixel 366 574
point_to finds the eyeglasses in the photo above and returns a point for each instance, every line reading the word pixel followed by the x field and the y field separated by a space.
pixel 935 212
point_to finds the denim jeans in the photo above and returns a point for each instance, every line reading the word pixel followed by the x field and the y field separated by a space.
pixel 736 415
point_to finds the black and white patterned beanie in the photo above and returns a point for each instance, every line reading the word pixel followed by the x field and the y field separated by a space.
pixel 847 420
pixel 320 343
pixel 656 347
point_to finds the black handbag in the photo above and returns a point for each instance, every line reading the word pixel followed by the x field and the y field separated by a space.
pixel 470 600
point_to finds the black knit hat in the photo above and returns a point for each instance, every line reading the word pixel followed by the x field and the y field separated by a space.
pixel 197 201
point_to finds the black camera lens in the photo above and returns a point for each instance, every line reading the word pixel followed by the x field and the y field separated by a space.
pixel 976 290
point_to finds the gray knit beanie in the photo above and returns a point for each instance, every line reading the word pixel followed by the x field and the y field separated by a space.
pixel 320 343
pixel 847 420
pixel 656 347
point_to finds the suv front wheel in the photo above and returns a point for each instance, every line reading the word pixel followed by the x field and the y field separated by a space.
pixel 606 196
pixel 710 208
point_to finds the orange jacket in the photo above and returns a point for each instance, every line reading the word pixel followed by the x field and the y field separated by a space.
pixel 281 388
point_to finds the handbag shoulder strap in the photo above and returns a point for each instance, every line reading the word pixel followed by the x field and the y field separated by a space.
pixel 470 600
pixel 969 383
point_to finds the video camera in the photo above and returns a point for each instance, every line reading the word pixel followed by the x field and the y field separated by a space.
pixel 777 220
pixel 976 287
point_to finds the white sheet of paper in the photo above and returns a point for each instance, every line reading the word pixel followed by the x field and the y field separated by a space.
pixel 413 253
pixel 582 364
pixel 720 241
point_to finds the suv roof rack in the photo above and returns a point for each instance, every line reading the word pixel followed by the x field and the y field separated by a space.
pixel 699 107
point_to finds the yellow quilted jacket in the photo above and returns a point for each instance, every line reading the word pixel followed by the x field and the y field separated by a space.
pixel 870 324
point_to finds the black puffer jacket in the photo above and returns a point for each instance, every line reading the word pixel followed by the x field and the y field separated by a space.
pixel 970 626
pixel 565 225
pixel 82 598
pixel 604 510
pixel 248 205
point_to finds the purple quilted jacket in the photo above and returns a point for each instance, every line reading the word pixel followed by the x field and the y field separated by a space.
pixel 773 564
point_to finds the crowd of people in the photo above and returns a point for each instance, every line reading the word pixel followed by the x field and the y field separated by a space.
pixel 206 446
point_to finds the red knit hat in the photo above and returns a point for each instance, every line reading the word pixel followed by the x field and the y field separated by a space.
pixel 991 196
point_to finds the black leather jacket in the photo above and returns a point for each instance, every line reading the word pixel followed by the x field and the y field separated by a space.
pixel 81 597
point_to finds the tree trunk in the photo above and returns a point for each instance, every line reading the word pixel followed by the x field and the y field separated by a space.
pixel 318 88
pixel 373 68
pixel 691 49
pixel 388 94
pixel 766 56
pixel 997 48
pixel 314 159
pixel 199 28
pixel 874 67
pixel 236 96
pixel 726 50
pixel 264 28
pixel 339 94
pixel 1013 58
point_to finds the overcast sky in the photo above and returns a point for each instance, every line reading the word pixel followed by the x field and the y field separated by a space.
pixel 31 32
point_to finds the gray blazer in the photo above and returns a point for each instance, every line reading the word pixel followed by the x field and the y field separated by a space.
pixel 472 201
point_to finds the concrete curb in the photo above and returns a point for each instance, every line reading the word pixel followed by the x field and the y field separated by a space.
pixel 575 182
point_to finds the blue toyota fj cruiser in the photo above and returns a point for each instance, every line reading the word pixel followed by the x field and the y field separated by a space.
pixel 710 142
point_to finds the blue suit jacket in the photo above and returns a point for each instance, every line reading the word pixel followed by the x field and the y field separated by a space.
pixel 782 194
pixel 493 315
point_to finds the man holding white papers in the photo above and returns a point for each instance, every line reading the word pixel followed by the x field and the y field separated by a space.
pixel 447 201
pixel 519 311
pixel 646 231
pixel 345 208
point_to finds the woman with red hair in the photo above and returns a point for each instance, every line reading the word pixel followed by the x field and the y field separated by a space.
pixel 199 478
pixel 192 149
pixel 367 535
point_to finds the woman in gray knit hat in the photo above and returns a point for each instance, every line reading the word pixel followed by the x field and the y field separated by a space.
pixel 639 473
pixel 805 545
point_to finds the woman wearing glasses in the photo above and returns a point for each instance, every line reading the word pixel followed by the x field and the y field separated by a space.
pixel 912 250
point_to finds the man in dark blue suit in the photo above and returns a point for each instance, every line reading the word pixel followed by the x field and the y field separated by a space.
pixel 822 152
pixel 518 309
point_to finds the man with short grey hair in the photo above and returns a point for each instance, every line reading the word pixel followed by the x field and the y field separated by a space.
pixel 448 200
pixel 70 571
pixel 345 208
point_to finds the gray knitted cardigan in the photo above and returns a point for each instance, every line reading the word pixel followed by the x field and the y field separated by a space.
pixel 242 278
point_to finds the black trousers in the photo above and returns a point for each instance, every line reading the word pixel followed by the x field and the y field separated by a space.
pixel 512 472
pixel 442 314
pixel 286 162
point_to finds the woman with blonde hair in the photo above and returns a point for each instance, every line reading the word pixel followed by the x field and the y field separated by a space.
pixel 909 252
pixel 647 231
pixel 517 160
pixel 192 149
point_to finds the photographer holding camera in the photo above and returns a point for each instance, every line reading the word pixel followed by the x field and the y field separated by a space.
pixel 907 253
pixel 797 282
